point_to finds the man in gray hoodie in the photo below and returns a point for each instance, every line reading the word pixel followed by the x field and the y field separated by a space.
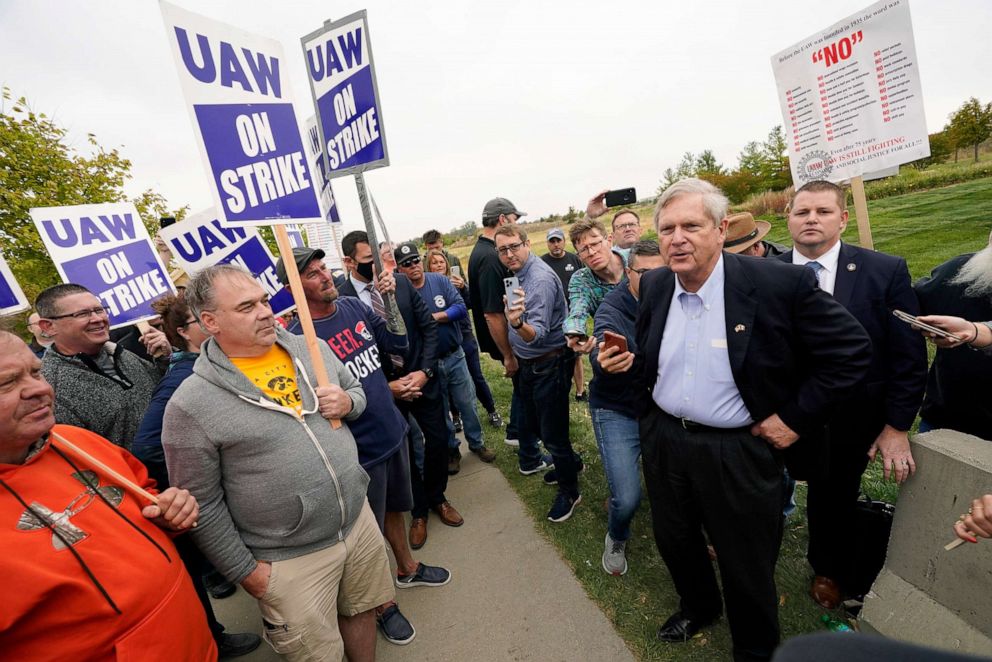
pixel 283 508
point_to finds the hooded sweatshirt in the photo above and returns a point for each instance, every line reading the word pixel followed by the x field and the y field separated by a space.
pixel 118 591
pixel 272 484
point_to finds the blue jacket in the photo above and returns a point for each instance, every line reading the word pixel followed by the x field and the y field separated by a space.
pixel 147 445
pixel 616 313
pixel 442 297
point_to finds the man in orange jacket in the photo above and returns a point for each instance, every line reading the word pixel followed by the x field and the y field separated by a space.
pixel 90 572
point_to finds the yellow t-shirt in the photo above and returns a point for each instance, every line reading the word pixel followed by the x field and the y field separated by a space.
pixel 274 374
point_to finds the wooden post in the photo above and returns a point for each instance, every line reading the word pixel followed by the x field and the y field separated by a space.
pixel 861 212
pixel 306 322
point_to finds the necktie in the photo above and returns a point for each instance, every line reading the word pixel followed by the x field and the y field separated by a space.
pixel 818 270
pixel 379 307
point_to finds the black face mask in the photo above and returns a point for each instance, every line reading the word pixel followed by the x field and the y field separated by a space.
pixel 364 269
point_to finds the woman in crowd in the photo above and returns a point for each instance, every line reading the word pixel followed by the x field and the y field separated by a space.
pixel 437 263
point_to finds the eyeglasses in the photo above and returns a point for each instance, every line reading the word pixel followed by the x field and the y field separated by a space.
pixel 411 262
pixel 590 247
pixel 187 323
pixel 84 314
pixel 639 272
pixel 627 226
pixel 510 248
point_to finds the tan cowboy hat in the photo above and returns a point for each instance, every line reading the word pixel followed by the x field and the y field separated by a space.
pixel 744 232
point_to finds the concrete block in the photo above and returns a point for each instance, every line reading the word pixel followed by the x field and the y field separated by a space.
pixel 925 594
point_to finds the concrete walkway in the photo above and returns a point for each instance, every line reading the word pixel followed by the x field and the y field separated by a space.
pixel 511 596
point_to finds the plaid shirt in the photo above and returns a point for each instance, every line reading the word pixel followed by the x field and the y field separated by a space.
pixel 585 292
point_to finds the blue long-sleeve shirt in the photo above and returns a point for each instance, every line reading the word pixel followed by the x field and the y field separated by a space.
pixel 442 297
pixel 617 314
pixel 545 310
pixel 147 444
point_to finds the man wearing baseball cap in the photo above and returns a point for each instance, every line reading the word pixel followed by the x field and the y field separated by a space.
pixel 485 289
pixel 361 339
pixel 564 265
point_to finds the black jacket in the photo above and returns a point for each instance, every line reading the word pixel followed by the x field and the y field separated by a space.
pixel 871 285
pixel 421 329
pixel 794 351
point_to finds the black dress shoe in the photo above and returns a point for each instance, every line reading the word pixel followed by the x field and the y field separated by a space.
pixel 678 628
pixel 238 644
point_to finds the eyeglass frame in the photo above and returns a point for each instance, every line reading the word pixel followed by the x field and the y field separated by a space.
pixel 82 314
pixel 510 248
pixel 590 247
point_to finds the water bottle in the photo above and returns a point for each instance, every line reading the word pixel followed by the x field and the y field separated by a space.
pixel 835 624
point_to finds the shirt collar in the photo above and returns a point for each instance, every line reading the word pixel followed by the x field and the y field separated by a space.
pixel 828 260
pixel 357 284
pixel 711 290
pixel 524 269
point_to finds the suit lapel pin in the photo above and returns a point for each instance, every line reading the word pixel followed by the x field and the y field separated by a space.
pixel 739 328
pixel 851 266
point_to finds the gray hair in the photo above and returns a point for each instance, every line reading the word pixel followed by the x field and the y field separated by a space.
pixel 200 290
pixel 714 201
pixel 643 248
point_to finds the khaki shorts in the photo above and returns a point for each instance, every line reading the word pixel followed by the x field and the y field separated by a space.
pixel 305 595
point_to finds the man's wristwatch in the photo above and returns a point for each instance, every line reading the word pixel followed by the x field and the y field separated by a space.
pixel 429 372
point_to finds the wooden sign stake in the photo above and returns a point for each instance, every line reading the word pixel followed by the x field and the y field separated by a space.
pixel 861 212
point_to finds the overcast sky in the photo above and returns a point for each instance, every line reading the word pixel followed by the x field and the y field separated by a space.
pixel 541 102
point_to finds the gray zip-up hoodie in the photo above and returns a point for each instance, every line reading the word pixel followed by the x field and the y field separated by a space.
pixel 271 485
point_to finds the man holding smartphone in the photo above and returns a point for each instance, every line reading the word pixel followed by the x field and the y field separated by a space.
pixel 543 378
pixel 603 271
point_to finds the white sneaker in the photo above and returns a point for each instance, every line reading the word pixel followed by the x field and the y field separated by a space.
pixel 512 442
pixel 614 557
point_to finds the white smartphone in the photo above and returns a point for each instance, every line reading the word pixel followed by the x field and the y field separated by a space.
pixel 456 271
pixel 915 321
pixel 511 285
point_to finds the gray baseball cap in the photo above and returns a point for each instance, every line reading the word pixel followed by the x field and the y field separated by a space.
pixel 556 233
pixel 302 256
pixel 498 206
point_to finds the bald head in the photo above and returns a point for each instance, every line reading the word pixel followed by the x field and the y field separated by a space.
pixel 25 400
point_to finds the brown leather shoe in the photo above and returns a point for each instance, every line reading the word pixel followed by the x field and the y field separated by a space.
pixel 418 532
pixel 485 454
pixel 825 592
pixel 448 514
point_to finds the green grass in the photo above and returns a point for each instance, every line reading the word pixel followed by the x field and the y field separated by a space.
pixel 926 228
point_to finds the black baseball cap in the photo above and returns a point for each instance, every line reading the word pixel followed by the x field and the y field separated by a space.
pixel 303 256
pixel 406 251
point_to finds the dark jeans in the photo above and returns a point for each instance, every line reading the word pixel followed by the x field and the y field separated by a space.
pixel 431 414
pixel 195 564
pixel 482 390
pixel 729 483
pixel 542 389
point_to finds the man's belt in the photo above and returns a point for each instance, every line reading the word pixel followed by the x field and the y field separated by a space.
pixel 547 356
pixel 692 426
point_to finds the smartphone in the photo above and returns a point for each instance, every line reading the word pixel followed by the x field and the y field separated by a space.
pixel 575 334
pixel 456 271
pixel 621 197
pixel 511 284
pixel 910 319
pixel 611 339
pixel 166 221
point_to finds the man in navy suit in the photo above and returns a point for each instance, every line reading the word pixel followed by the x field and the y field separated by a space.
pixel 737 359
pixel 876 420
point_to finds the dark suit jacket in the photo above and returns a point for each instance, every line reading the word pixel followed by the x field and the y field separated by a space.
pixel 421 329
pixel 794 351
pixel 871 289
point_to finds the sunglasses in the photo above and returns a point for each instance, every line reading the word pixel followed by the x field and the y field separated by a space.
pixel 411 262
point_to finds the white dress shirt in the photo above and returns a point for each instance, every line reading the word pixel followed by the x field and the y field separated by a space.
pixel 362 289
pixel 694 377
pixel 827 275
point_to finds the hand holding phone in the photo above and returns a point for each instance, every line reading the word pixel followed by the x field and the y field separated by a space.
pixel 923 326
pixel 621 197
pixel 510 286
pixel 611 339
pixel 456 271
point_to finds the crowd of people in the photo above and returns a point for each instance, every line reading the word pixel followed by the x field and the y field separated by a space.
pixel 212 449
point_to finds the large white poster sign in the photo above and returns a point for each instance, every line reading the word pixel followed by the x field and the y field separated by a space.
pixel 106 249
pixel 326 235
pixel 851 97
pixel 346 97
pixel 12 299
pixel 236 86
pixel 201 241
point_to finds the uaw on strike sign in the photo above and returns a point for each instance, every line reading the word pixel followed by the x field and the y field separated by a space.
pixel 106 249
pixel 236 86
pixel 342 77
pixel 851 96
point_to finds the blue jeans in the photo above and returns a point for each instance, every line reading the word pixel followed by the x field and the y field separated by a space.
pixel 457 384
pixel 619 440
pixel 542 389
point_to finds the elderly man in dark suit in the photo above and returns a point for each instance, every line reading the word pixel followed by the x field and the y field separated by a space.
pixel 737 359
pixel 876 420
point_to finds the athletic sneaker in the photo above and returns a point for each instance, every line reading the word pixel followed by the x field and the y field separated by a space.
pixel 564 506
pixel 394 626
pixel 512 442
pixel 457 423
pixel 614 556
pixel 551 478
pixel 495 419
pixel 426 575
pixel 546 463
